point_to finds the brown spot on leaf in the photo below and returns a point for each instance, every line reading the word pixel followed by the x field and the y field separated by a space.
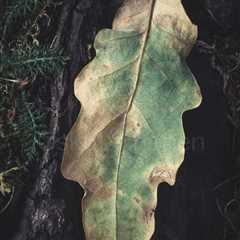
pixel 148 215
pixel 104 193
pixel 94 184
pixel 96 187
pixel 137 200
pixel 133 127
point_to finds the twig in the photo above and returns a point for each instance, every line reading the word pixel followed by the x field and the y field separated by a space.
pixel 226 181
pixel 9 202
pixel 10 80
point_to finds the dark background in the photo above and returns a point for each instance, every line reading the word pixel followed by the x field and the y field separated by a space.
pixel 193 209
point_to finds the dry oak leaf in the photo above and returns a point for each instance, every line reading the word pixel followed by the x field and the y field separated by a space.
pixel 129 135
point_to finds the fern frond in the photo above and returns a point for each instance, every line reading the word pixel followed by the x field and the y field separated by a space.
pixel 16 11
pixel 31 128
pixel 27 63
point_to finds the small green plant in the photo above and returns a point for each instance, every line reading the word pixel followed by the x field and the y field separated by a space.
pixel 25 56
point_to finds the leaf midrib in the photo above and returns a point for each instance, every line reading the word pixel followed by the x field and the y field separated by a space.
pixel 139 67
